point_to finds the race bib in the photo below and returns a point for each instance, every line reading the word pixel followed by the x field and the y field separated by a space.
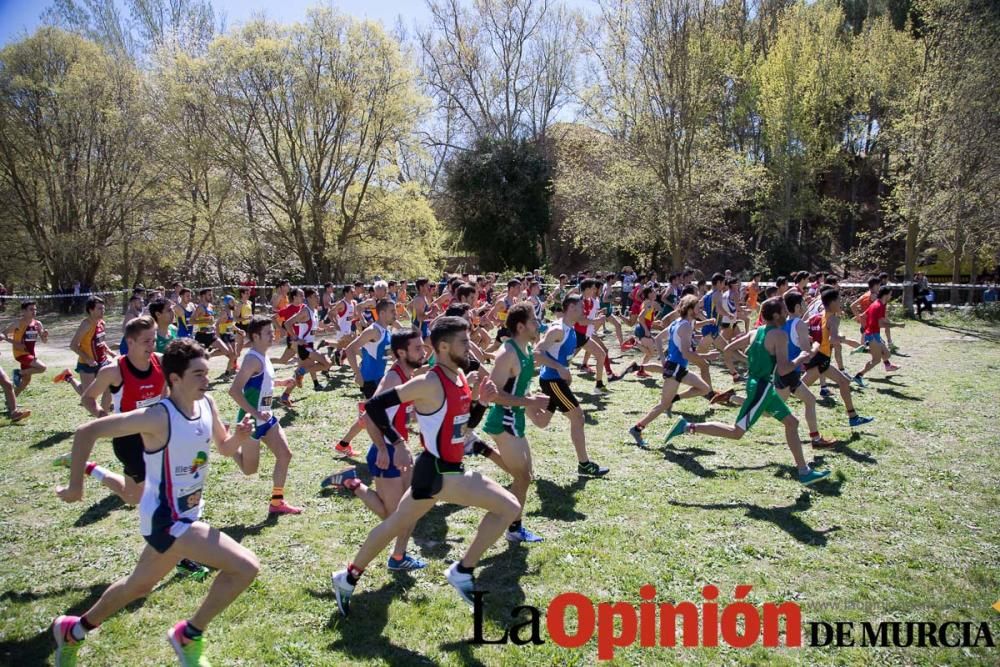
pixel 458 428
pixel 147 402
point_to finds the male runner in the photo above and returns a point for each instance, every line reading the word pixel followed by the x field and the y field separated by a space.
pixel 176 435
pixel 23 334
pixel 441 399
pixel 302 328
pixel 91 349
pixel 768 352
pixel 875 321
pixel 163 315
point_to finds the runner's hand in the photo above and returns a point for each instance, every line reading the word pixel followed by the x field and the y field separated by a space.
pixel 382 457
pixel 401 457
pixel 245 427
pixel 487 391
pixel 565 375
pixel 538 402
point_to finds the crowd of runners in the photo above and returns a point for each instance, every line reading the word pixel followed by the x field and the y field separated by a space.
pixel 456 362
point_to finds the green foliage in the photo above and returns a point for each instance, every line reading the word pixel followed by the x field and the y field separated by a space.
pixel 499 197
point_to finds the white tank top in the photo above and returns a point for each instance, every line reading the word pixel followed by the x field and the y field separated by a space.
pixel 344 321
pixel 304 330
pixel 175 473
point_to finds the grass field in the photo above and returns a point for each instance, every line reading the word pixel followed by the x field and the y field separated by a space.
pixel 907 528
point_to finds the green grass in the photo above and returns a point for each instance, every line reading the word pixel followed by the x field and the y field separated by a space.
pixel 906 530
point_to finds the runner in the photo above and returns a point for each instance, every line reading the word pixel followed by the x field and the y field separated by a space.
pixel 163 315
pixel 390 468
pixel 252 390
pixel 225 327
pixel 499 313
pixel 372 344
pixel 553 353
pixel 13 413
pixel 302 328
pixel 875 321
pixel 343 313
pixel 171 505
pixel 134 309
pixel 23 334
pixel 441 399
pixel 91 349
pixel 296 298
pixel 183 310
pixel 420 308
pixel 767 353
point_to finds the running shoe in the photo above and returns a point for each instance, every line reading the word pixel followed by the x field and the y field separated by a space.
pixel 861 349
pixel 522 534
pixel 18 415
pixel 317 386
pixel 344 450
pixel 66 645
pixel 600 388
pixel 188 650
pixel 629 344
pixel 679 428
pixel 283 508
pixel 337 479
pixel 17 377
pixel 193 570
pixel 586 369
pixel 474 444
pixel 285 401
pixel 465 584
pixel 63 460
pixel 858 420
pixel 636 434
pixel 407 564
pixel 891 368
pixel 813 476
pixel 825 392
pixel 62 376
pixel 860 381
pixel 342 590
pixel 591 469
pixel 823 443
pixel 893 348
pixel 641 373
pixel 722 396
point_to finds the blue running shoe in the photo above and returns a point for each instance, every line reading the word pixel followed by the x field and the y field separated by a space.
pixel 337 479
pixel 858 420
pixel 860 381
pixel 813 476
pixel 636 434
pixel 679 428
pixel 522 534
pixel 825 392
pixel 406 564
pixel 17 377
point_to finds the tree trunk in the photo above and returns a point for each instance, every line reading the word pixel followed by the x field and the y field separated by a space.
pixel 972 279
pixel 910 264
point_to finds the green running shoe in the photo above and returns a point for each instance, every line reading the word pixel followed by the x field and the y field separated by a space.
pixel 188 650
pixel 63 460
pixel 66 646
pixel 193 570
pixel 679 429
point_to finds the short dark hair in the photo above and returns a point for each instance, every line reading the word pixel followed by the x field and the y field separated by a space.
pixel 519 314
pixel 256 325
pixel 420 282
pixel 873 282
pixel 157 306
pixel 792 300
pixel 717 278
pixel 770 291
pixel 688 289
pixel 780 280
pixel 178 356
pixel 770 308
pixel 457 310
pixel 884 291
pixel 464 291
pixel 383 305
pixel 93 302
pixel 309 291
pixel 513 282
pixel 801 275
pixel 829 296
pixel 400 340
pixel 204 291
pixel 182 291
pixel 137 325
pixel 569 301
pixel 346 289
pixel 756 275
pixel 446 328
pixel 25 305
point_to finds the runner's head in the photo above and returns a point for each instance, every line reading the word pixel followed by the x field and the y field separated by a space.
pixel 873 284
pixel 297 296
pixel 185 296
pixel 185 367
pixel 572 307
pixel 348 291
pixel 244 293
pixel 733 284
pixel 781 282
pixel 513 287
pixel 385 311
pixel 450 340
pixel 283 287
pixel 140 332
pixel 793 303
pixel 381 288
pixel 802 279
pixel 718 280
pixel 161 312
pixel 311 297
pixel 260 331
pixel 773 312
pixel 756 277
pixel 205 295
pixel 688 306
pixel 831 301
pixel 95 307
pixel 466 294
pixel 422 285
pixel 884 294
pixel 28 310
pixel 522 323
pixel 408 348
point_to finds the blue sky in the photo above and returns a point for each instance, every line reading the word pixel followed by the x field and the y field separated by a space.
pixel 18 17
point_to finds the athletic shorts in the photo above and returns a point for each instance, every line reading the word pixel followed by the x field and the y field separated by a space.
pixel 674 370
pixel 581 339
pixel 761 398
pixel 726 325
pixel 392 472
pixel 304 351
pixel 710 330
pixel 129 451
pixel 163 539
pixel 428 475
pixel 228 338
pixel 640 333
pixel 789 381
pixel 369 387
pixel 503 419
pixel 25 360
pixel 819 361
pixel 873 337
pixel 561 397
pixel 205 338
pixel 502 333
pixel 82 368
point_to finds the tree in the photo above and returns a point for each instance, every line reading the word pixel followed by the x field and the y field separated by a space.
pixel 499 193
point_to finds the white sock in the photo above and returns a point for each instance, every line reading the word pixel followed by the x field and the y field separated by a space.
pixel 78 631
pixel 99 473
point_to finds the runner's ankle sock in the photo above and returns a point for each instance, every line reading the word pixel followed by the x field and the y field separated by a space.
pixel 278 495
pixel 709 396
pixel 476 413
pixel 190 631
pixel 514 527
pixel 353 574
pixel 639 427
pixel 814 435
pixel 343 444
pixel 96 471
pixel 81 628
pixel 352 484
pixel 464 570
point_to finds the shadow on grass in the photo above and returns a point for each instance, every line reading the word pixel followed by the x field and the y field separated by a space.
pixel 859 457
pixel 687 459
pixel 288 418
pixel 559 502
pixel 894 393
pixel 99 510
pixel 972 333
pixel 887 380
pixel 431 532
pixel 53 439
pixel 784 517
pixel 37 649
pixel 361 636
pixel 241 531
